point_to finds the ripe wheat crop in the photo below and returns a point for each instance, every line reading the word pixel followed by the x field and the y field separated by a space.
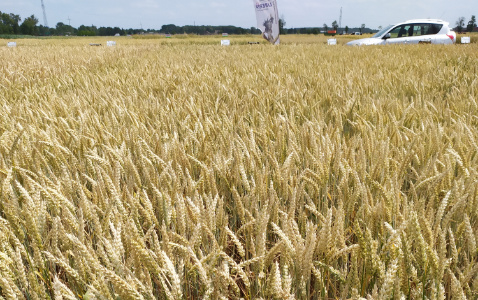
pixel 179 169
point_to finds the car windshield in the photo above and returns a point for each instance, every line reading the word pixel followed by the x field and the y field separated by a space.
pixel 382 32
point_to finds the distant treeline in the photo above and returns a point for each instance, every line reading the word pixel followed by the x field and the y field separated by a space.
pixel 12 24
pixel 318 30
pixel 202 30
pixel 205 30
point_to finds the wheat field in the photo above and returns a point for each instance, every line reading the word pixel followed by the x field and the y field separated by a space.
pixel 179 169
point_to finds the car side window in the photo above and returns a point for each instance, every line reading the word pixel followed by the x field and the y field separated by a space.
pixel 402 31
pixel 426 29
pixel 397 32
pixel 408 30
pixel 418 29
pixel 434 28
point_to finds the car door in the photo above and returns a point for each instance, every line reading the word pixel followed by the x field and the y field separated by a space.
pixel 416 35
pixel 399 35
pixel 422 34
pixel 433 33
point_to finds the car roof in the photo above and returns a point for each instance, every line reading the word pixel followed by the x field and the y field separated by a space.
pixel 426 21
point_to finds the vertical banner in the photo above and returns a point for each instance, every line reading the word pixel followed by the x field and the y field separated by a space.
pixel 268 19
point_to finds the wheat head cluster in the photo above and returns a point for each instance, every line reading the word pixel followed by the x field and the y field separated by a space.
pixel 185 170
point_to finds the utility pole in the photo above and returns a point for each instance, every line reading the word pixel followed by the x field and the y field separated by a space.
pixel 45 21
pixel 340 19
pixel 69 21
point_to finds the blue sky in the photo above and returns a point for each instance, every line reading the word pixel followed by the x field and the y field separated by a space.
pixel 305 13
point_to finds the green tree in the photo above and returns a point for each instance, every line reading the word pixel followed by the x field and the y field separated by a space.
pixel 87 30
pixel 346 29
pixel 326 27
pixel 282 24
pixel 9 23
pixel 109 31
pixel 63 29
pixel 5 27
pixel 173 29
pixel 335 25
pixel 362 28
pixel 118 30
pixel 43 30
pixel 471 24
pixel 29 26
pixel 460 24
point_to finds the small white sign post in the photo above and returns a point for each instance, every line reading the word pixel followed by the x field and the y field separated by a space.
pixel 225 42
pixel 11 44
pixel 332 41
pixel 465 40
pixel 110 43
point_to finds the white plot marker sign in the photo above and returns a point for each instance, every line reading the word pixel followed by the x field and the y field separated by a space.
pixel 465 40
pixel 110 43
pixel 332 41
pixel 225 42
pixel 11 44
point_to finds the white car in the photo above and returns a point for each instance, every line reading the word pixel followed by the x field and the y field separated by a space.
pixel 424 31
